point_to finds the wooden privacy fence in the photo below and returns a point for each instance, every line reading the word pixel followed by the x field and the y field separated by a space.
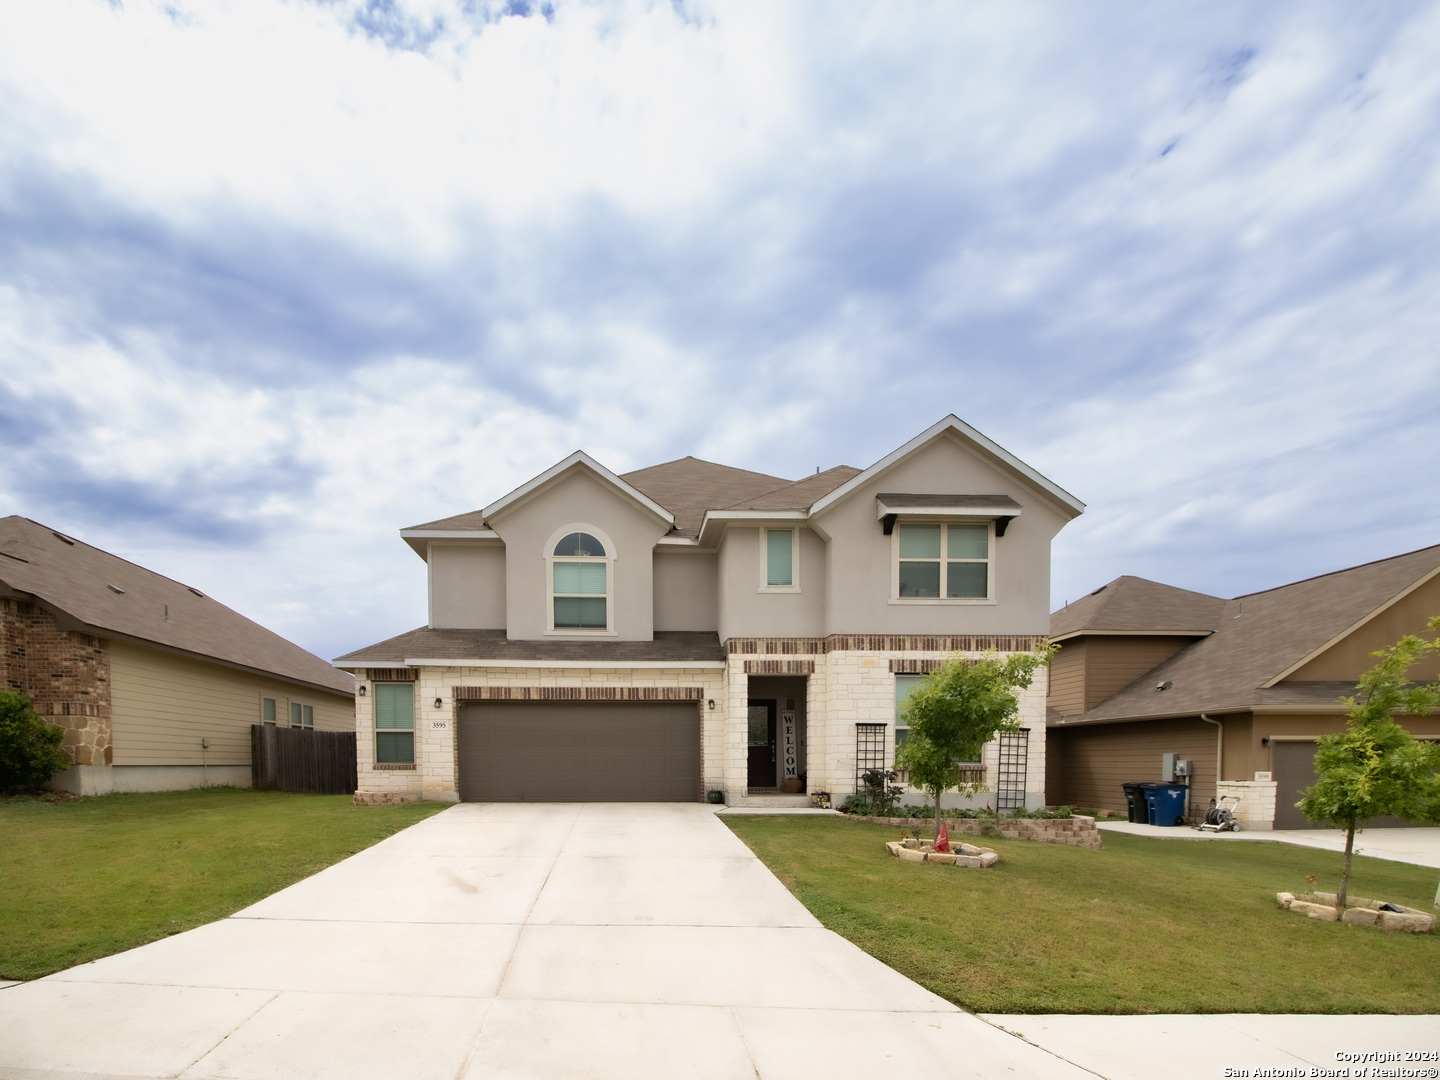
pixel 302 759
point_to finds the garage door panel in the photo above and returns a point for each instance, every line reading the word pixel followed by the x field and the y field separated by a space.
pixel 552 752
pixel 1294 771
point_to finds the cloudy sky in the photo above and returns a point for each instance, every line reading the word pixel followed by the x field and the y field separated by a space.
pixel 279 278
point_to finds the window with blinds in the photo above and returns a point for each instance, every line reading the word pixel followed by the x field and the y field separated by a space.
pixel 779 557
pixel 394 722
pixel 579 584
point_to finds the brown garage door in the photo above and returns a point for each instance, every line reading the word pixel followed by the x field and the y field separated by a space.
pixel 579 752
pixel 1294 772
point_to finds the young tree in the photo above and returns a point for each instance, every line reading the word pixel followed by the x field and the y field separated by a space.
pixel 29 748
pixel 958 708
pixel 1375 768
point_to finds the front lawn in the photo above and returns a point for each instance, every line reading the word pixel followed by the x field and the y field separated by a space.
pixel 86 878
pixel 1144 926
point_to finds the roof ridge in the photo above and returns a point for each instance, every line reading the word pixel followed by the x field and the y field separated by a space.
pixel 120 558
pixel 1335 573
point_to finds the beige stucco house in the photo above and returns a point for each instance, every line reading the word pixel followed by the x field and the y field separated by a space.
pixel 155 684
pixel 1148 674
pixel 691 628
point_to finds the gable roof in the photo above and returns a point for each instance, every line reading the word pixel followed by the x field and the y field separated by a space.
pixel 956 428
pixel 578 460
pixel 108 596
pixel 687 491
pixel 1136 605
pixel 1260 636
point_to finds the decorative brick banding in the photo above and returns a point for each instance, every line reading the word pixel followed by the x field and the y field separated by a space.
pixel 779 667
pixel 946 643
pixel 578 693
pixel 1078 831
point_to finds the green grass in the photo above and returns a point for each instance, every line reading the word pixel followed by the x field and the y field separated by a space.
pixel 1144 926
pixel 87 878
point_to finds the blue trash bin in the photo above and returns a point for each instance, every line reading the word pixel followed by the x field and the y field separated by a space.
pixel 1166 803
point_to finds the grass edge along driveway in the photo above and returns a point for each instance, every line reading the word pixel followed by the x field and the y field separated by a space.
pixel 91 877
pixel 1144 926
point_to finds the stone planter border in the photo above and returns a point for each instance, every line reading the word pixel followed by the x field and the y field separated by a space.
pixel 966 857
pixel 1359 911
pixel 1078 831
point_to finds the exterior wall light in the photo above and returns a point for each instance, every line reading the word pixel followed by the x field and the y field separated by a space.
pixel 361 690
pixel 712 703
pixel 438 703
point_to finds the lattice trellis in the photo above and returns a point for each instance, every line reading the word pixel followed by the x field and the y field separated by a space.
pixel 1010 777
pixel 871 743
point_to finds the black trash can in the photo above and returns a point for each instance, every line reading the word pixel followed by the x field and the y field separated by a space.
pixel 1139 809
pixel 1136 802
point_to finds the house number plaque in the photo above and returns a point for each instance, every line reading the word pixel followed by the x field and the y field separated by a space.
pixel 787 743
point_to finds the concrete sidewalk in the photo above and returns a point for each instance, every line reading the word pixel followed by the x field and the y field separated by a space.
pixel 597 941
pixel 1420 846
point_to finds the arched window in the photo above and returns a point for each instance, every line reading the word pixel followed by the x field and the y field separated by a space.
pixel 579 583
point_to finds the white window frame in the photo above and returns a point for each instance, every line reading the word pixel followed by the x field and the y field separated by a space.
pixel 609 560
pixel 305 712
pixel 274 717
pixel 942 600
pixel 794 586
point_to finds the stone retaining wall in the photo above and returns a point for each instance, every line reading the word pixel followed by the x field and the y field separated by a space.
pixel 1077 831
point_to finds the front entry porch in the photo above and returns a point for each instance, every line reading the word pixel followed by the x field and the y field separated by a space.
pixel 775 736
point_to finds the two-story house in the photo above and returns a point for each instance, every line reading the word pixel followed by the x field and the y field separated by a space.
pixel 689 628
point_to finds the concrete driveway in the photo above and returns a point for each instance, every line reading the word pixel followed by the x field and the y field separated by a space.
pixel 515 941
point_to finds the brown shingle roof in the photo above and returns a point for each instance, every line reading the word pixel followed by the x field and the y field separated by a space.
pixel 472 520
pixel 800 494
pixel 428 644
pixel 689 487
pixel 1139 605
pixel 72 577
pixel 1261 635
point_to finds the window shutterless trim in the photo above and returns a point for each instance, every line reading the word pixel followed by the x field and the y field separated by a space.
pixel 943 561
pixel 607 560
pixel 794 585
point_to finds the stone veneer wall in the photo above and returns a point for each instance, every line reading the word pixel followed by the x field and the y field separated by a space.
pixel 66 674
pixel 850 681
pixel 436 772
pixel 1256 812
pixel 853 681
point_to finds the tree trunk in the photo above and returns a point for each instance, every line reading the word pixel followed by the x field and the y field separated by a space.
pixel 1345 874
pixel 937 813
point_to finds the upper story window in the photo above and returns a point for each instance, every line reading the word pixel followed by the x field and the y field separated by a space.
pixel 580 584
pixel 949 561
pixel 779 563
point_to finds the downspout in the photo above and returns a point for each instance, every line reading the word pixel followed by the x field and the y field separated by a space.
pixel 1219 749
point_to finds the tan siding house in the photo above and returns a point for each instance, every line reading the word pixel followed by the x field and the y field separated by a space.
pixel 155 684
pixel 1242 687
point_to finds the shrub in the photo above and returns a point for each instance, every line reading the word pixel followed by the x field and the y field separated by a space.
pixel 29 748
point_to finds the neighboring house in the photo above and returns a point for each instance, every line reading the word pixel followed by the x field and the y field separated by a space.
pixel 1240 687
pixel 689 627
pixel 155 684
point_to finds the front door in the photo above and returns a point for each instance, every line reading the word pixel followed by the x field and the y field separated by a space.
pixel 762 744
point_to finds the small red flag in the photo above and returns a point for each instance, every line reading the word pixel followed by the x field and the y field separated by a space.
pixel 942 839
